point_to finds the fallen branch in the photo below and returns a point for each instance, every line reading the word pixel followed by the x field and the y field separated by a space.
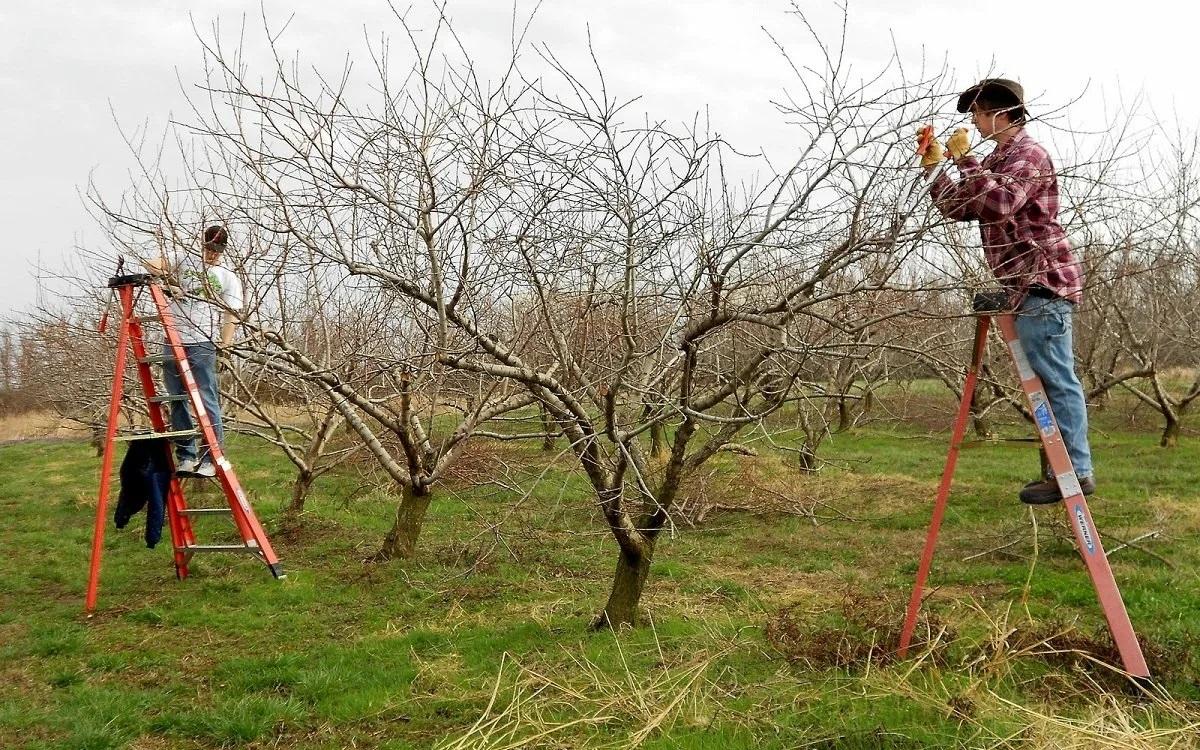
pixel 1133 544
pixel 1004 546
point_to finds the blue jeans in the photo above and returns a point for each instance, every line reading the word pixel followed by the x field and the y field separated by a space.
pixel 202 358
pixel 1044 327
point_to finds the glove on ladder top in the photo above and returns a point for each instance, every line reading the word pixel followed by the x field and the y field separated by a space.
pixel 129 289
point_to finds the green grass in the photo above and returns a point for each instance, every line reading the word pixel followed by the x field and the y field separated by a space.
pixel 762 632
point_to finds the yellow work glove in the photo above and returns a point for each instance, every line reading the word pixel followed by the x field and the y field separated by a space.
pixel 959 144
pixel 933 154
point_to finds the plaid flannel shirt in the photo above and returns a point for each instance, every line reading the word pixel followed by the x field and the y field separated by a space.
pixel 1013 195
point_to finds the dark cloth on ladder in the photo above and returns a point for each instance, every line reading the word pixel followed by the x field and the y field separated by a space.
pixel 145 483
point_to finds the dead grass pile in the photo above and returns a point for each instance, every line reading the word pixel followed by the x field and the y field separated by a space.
pixel 768 485
pixel 530 708
pixel 854 630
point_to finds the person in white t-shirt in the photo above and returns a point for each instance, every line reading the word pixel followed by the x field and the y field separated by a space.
pixel 205 300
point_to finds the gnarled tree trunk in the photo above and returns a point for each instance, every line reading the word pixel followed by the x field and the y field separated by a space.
pixel 300 488
pixel 549 429
pixel 845 416
pixel 1170 435
pixel 658 441
pixel 633 565
pixel 401 540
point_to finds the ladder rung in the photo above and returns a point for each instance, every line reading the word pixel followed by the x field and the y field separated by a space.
pixel 219 548
pixel 153 435
pixel 204 511
pixel 157 359
pixel 166 399
pixel 149 319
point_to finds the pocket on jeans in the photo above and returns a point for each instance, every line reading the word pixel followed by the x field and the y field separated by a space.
pixel 1058 325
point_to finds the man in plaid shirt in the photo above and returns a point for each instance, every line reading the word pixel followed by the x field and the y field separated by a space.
pixel 1013 194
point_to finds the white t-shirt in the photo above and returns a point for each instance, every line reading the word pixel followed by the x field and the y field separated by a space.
pixel 210 290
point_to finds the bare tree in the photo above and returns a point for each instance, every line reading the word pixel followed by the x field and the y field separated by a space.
pixel 529 240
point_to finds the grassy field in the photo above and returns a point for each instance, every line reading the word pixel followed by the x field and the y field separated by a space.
pixel 769 624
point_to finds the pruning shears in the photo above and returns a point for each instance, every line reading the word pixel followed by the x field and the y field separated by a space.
pixel 924 141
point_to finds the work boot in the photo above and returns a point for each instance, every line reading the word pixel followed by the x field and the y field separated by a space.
pixel 1046 491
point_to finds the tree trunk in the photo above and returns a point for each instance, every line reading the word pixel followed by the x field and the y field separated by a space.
pixel 1170 436
pixel 845 420
pixel 549 429
pixel 808 458
pixel 304 481
pixel 401 540
pixel 628 583
pixel 658 441
pixel 1044 468
pixel 983 430
pixel 306 474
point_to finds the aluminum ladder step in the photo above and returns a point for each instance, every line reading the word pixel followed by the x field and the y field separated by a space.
pixel 153 435
pixel 219 548
pixel 167 399
pixel 206 511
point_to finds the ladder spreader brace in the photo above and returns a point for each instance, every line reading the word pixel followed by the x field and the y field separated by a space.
pixel 1087 536
pixel 128 289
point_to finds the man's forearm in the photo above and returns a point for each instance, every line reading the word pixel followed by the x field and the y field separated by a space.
pixel 228 324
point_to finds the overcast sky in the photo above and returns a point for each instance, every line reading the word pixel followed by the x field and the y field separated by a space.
pixel 67 67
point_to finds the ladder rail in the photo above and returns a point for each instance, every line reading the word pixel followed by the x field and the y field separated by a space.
pixel 114 414
pixel 1079 516
pixel 244 517
pixel 943 494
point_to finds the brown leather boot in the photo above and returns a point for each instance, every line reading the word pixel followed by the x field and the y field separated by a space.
pixel 1046 491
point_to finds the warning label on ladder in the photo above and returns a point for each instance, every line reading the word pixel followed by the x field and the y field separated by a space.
pixel 1041 413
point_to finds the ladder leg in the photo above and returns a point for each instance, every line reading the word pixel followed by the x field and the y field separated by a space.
pixel 181 527
pixel 943 494
pixel 114 416
pixel 1087 536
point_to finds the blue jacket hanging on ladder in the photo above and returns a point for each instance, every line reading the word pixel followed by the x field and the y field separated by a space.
pixel 145 483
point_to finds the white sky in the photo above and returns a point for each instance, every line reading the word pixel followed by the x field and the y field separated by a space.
pixel 65 64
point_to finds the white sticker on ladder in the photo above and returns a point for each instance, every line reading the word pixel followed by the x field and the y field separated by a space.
pixel 1024 369
pixel 1068 484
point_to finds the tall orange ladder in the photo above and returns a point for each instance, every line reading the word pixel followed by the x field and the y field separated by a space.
pixel 1087 536
pixel 130 289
